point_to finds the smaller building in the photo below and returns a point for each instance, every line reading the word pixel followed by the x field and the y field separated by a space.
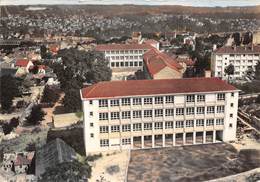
pixel 24 64
pixel 158 65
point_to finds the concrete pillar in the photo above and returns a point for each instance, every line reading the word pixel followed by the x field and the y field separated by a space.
pixel 194 137
pixel 214 136
pixel 184 138
pixel 132 142
pixel 142 141
pixel 204 136
pixel 173 139
pixel 163 140
pixel 153 141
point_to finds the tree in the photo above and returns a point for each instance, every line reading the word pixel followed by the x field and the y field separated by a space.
pixel 230 70
pixel 9 89
pixel 36 116
pixel 50 95
pixel 72 100
pixel 257 71
pixel 67 171
pixel 8 127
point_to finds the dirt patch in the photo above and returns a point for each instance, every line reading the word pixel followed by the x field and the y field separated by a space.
pixel 190 163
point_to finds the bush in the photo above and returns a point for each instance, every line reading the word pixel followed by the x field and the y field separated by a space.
pixel 36 116
pixel 93 157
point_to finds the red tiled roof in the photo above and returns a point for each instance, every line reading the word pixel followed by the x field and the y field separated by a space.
pixel 108 47
pixel 153 87
pixel 22 62
pixel 155 61
pixel 187 61
pixel 238 50
pixel 151 41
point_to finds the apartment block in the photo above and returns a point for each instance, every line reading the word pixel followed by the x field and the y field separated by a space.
pixel 139 114
pixel 244 60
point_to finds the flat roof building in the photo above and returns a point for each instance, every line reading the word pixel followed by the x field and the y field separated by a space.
pixel 139 114
pixel 244 60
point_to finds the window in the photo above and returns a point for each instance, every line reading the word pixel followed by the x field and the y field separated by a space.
pixel 103 116
pixel 125 102
pixel 115 128
pixel 91 113
pixel 158 112
pixel 179 111
pixel 148 101
pixel 200 98
pixel 104 143
pixel 179 124
pixel 137 101
pixel 200 110
pixel 190 110
pixel 103 129
pixel 220 121
pixel 169 99
pixel 114 103
pixel 231 115
pixel 103 103
pixel 126 127
pixel 168 124
pixel 114 115
pixel 147 126
pixel 126 141
pixel 200 122
pixel 158 100
pixel 210 122
pixel 148 113
pixel 126 115
pixel 190 98
pixel 221 97
pixel 137 127
pixel 112 64
pixel 137 114
pixel 230 125
pixel 210 109
pixel 189 123
pixel 220 109
pixel 91 102
pixel 91 135
pixel 232 105
pixel 169 112
pixel 91 124
pixel 158 125
pixel 232 94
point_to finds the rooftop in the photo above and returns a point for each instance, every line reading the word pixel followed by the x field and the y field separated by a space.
pixel 22 62
pixel 155 61
pixel 239 50
pixel 153 87
pixel 108 47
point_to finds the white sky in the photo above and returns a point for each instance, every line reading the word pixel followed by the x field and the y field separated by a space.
pixel 210 3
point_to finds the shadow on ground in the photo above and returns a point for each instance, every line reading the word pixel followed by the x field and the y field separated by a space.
pixel 190 163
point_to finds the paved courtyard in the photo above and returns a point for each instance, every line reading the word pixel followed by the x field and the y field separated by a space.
pixel 190 163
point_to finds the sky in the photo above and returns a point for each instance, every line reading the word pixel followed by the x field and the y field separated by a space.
pixel 208 3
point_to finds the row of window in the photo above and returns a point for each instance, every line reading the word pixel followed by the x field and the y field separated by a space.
pixel 124 141
pixel 126 64
pixel 155 100
pixel 126 52
pixel 159 125
pixel 160 112
pixel 125 57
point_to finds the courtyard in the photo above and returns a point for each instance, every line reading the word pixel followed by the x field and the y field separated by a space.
pixel 190 163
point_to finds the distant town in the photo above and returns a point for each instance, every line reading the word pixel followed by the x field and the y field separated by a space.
pixel 150 94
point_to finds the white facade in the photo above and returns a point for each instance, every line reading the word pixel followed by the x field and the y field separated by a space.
pixel 150 121
pixel 242 62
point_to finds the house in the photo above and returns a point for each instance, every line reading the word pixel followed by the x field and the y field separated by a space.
pixel 143 114
pixel 244 59
pixel 159 65
pixel 24 64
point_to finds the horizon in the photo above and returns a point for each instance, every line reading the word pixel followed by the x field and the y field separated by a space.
pixel 193 3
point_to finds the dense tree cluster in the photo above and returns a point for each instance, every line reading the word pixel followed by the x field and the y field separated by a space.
pixel 50 95
pixel 67 171
pixel 36 116
pixel 79 67
pixel 8 127
pixel 9 89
